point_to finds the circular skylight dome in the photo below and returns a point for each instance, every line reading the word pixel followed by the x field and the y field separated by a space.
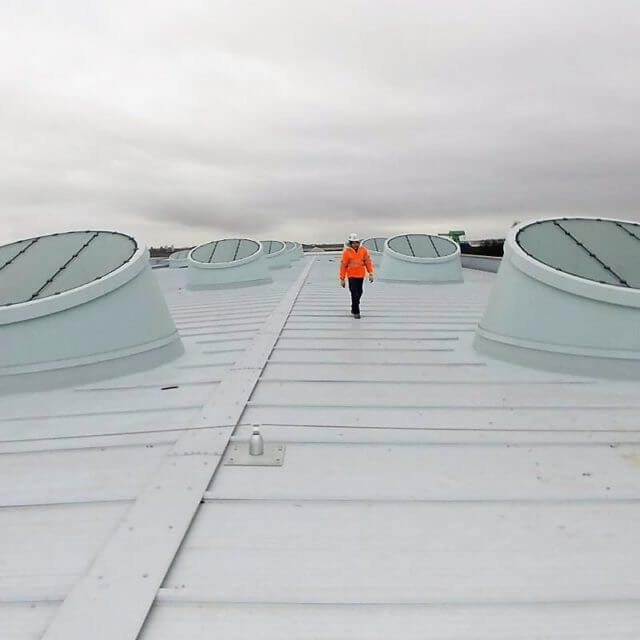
pixel 606 251
pixel 273 246
pixel 567 297
pixel 178 259
pixel 227 263
pixel 422 246
pixel 229 250
pixel 82 300
pixel 49 265
pixel 421 258
pixel 276 254
pixel 374 244
pixel 291 250
pixel 375 247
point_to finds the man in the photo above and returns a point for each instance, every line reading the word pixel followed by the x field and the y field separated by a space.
pixel 355 263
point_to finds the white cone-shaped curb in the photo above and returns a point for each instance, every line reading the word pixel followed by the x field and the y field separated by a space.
pixel 231 262
pixel 84 299
pixel 567 297
pixel 375 247
pixel 276 253
pixel 420 258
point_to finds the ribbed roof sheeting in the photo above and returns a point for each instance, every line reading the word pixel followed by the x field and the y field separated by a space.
pixel 421 485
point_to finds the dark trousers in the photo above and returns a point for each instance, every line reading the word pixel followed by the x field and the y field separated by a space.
pixel 355 286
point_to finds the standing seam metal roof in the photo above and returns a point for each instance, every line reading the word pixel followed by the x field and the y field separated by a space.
pixel 425 486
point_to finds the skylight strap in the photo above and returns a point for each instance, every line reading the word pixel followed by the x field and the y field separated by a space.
pixel 25 248
pixel 235 254
pixel 413 253
pixel 65 265
pixel 433 244
pixel 215 245
pixel 633 235
pixel 593 255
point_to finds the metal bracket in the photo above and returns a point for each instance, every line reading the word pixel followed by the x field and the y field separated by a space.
pixel 238 455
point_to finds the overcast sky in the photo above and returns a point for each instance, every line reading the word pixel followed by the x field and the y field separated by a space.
pixel 183 120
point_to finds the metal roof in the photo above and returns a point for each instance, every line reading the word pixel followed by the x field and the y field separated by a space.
pixel 426 489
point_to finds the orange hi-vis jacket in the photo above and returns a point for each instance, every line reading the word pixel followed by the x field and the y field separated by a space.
pixel 355 264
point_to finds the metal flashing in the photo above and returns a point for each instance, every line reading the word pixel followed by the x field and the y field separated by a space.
pixel 239 455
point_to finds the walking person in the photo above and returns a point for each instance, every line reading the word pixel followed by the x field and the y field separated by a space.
pixel 354 265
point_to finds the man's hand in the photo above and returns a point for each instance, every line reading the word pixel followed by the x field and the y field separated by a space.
pixel 371 277
pixel 342 282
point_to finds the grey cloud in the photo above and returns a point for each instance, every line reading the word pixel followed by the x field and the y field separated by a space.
pixel 191 119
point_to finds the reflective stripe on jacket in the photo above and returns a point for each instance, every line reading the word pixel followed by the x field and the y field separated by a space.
pixel 355 264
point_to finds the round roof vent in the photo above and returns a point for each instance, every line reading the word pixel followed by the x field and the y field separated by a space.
pixel 230 262
pixel 375 247
pixel 294 250
pixel 178 259
pixel 604 251
pixel 420 258
pixel 291 250
pixel 567 297
pixel 276 254
pixel 77 299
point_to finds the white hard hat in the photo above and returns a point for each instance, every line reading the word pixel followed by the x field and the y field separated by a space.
pixel 354 237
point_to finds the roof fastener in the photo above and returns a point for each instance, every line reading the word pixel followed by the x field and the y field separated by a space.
pixel 256 442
